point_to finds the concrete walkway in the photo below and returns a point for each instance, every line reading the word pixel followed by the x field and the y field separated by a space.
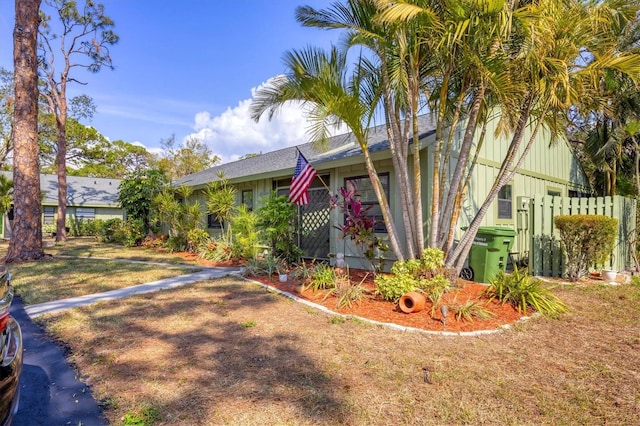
pixel 74 302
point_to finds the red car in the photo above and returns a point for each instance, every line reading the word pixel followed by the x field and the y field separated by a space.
pixel 10 352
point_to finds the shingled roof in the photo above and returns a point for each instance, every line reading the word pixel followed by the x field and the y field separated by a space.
pixel 282 162
pixel 81 191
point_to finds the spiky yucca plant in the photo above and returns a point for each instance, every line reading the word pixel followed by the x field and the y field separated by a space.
pixel 523 292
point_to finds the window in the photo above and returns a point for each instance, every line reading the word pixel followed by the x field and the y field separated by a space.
pixel 505 201
pixel 554 192
pixel 49 215
pixel 213 222
pixel 247 199
pixel 85 213
pixel 363 189
pixel 578 194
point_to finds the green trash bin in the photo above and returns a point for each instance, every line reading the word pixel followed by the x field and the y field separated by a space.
pixel 490 251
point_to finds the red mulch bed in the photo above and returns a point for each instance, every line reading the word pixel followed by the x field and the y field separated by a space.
pixel 374 308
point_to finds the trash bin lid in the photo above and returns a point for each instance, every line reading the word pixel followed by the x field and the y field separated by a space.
pixel 502 231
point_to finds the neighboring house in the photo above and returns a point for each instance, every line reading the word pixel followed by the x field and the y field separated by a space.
pixel 87 199
pixel 552 170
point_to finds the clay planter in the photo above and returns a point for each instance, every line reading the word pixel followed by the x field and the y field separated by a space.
pixel 412 302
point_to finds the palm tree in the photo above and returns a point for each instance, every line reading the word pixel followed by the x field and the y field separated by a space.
pixel 398 58
pixel 319 80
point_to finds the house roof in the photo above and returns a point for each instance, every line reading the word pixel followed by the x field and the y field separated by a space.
pixel 282 161
pixel 81 191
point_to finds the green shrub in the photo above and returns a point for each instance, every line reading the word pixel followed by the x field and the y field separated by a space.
pixel 215 250
pixel 426 274
pixel 435 288
pixel 196 238
pixel 246 237
pixel 587 240
pixel 49 229
pixel 523 292
pixel 277 219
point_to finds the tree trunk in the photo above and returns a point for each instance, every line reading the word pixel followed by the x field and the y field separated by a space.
pixel 394 242
pixel 26 242
pixel 61 231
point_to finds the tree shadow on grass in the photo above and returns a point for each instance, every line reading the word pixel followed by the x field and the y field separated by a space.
pixel 214 349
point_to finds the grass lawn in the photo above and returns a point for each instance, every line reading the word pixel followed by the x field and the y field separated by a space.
pixel 228 352
pixel 78 267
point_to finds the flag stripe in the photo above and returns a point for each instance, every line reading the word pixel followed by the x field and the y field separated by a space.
pixel 302 178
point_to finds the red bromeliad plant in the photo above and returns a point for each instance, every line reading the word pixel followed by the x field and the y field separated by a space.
pixel 358 226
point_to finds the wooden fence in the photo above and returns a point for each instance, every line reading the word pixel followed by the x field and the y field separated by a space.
pixel 538 236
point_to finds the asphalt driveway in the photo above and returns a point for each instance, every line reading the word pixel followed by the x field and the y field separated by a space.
pixel 50 392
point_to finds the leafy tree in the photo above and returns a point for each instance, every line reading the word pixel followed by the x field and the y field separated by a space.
pixel 137 192
pixel 26 243
pixel 83 42
pixel 194 156
pixel 115 160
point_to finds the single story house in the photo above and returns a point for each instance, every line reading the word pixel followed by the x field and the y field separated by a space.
pixel 548 169
pixel 88 198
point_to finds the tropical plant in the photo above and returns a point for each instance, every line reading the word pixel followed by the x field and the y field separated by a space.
pixel 347 293
pixel 426 274
pixel 359 227
pixel 215 250
pixel 173 208
pixel 276 219
pixel 303 270
pixel 246 236
pixel 525 292
pixel 469 310
pixel 435 289
pixel 221 202
pixel 322 277
pixel 197 237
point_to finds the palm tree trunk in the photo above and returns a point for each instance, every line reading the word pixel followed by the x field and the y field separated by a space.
pixel 461 164
pixel 506 173
pixel 384 203
pixel 399 156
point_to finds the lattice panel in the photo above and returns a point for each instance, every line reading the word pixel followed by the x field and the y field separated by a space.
pixel 315 225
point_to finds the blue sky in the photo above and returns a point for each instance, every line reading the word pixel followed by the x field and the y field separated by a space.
pixel 189 67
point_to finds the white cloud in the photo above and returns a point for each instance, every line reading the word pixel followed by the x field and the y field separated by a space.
pixel 233 133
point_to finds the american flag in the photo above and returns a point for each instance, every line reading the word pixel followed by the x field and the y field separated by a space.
pixel 302 178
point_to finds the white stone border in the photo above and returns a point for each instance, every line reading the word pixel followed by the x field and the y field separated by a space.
pixel 396 327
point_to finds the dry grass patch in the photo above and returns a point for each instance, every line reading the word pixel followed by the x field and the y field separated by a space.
pixel 229 352
pixel 59 278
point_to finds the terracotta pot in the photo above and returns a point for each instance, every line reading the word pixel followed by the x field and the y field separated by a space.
pixel 412 302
